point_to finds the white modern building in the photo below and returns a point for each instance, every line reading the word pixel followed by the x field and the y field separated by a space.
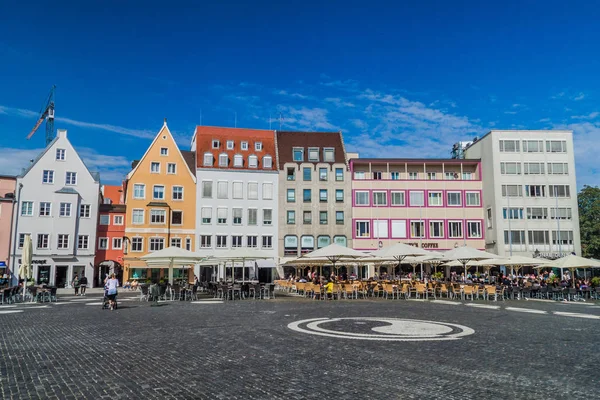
pixel 237 194
pixel 529 192
pixel 58 206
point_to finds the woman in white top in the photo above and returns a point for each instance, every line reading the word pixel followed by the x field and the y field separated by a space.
pixel 111 290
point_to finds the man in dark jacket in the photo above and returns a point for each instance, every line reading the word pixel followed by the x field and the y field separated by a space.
pixel 82 284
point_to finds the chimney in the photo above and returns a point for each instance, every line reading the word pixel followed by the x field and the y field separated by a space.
pixel 61 133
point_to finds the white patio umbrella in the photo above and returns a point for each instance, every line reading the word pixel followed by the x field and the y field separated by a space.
pixel 25 268
pixel 465 254
pixel 242 254
pixel 399 251
pixel 171 256
pixel 335 252
pixel 516 261
pixel 572 262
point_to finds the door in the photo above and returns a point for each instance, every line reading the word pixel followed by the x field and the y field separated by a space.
pixel 61 276
pixel 43 276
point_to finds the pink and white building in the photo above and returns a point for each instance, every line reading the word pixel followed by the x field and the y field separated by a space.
pixel 435 204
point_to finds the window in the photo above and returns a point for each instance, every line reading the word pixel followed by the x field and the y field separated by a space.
pixel 307 195
pixel 176 217
pixel 417 229
pixel 158 216
pixel 512 213
pixel 158 192
pixel 451 176
pixel 267 216
pixel 435 199
pixel 253 161
pixel 306 174
pixel 252 216
pixel 512 191
pixel 377 175
pixel 361 198
pixel 560 213
pixel 291 196
pixel 157 244
pixel 323 241
pixel 398 198
pixel 244 146
pixel 102 243
pixel 533 146
pixel 117 243
pixel 413 176
pixel 417 198
pixel 207 189
pixel 21 240
pixel 556 146
pixel 137 244
pixel 236 214
pixel 538 237
pixel 48 176
pixel 267 242
pixel 489 219
pixel 340 240
pixel 510 168
pixel 205 241
pixel 238 161
pixel 313 154
pixel 535 190
pixel 323 218
pixel 291 174
pixel 290 245
pixel 436 229
pixel 164 151
pixel 514 237
pixel 298 154
pixel 307 244
pixel 339 195
pixel 154 167
pixel 509 146
pixel 339 174
pixel 236 241
pixel 176 242
pixel 139 191
pixel 291 217
pixel 230 145
pixel 71 178
pixel 267 191
pixel 363 229
pixel 380 229
pixel 206 215
pixel 208 159
pixel 258 146
pixel 104 220
pixel 216 144
pixel 252 241
pixel 307 217
pixel 137 217
pixel 474 229
pixel 339 218
pixel 253 190
pixel 558 168
pixel 60 154
pixel 431 176
pixel 237 190
pixel 455 229
pixel 118 220
pixel 221 216
pixel 562 237
pixel 27 208
pixel 223 160
pixel 84 210
pixel 43 241
pixel 322 174
pixel 323 195
pixel 537 213
pixel 222 190
pixel 267 162
pixel 360 175
pixel 45 209
pixel 221 241
pixel 63 241
pixel 395 176
pixel 473 199
pixel 329 155
pixel 177 193
pixel 171 168
pixel 559 191
pixel 468 176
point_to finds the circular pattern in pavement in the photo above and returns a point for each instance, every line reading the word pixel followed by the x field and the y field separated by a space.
pixel 381 329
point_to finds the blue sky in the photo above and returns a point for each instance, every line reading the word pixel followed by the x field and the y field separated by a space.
pixel 400 80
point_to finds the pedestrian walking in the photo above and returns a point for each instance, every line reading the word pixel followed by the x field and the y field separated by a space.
pixel 75 284
pixel 83 284
pixel 111 290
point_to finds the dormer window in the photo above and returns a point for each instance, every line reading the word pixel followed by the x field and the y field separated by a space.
pixel 208 159
pixel 258 146
pixel 313 154
pixel 253 161
pixel 223 160
pixel 238 161
pixel 164 151
pixel 298 154
pixel 230 145
pixel 215 144
pixel 329 155
pixel 245 146
pixel 267 162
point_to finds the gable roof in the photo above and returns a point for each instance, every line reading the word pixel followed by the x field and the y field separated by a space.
pixel 190 159
pixel 112 192
pixel 287 140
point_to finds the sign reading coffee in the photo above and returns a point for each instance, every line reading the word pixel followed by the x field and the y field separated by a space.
pixel 424 245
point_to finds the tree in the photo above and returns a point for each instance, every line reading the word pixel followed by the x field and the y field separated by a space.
pixel 589 220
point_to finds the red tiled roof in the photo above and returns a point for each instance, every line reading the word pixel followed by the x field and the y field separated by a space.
pixel 113 192
pixel 204 144
pixel 286 141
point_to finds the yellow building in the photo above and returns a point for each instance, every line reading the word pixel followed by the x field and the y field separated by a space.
pixel 161 206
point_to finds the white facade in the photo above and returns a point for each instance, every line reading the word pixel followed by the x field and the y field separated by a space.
pixel 236 209
pixel 522 171
pixel 58 206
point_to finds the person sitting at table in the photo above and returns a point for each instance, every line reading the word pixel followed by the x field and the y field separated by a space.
pixel 126 285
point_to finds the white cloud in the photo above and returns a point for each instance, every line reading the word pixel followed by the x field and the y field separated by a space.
pixel 544 120
pixel 558 95
pixel 306 118
pixel 591 115
pixel 580 96
pixel 338 102
pixel 586 140
pixel 293 95
pixel 510 112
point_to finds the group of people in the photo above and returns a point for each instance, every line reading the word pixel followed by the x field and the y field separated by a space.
pixel 79 283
